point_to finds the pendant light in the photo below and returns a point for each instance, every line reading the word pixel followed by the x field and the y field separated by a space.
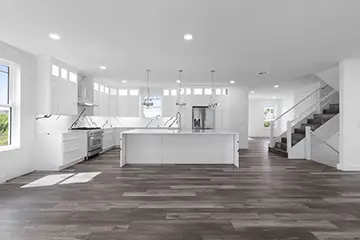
pixel 148 102
pixel 180 99
pixel 213 101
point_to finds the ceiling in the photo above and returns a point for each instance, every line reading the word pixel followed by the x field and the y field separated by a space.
pixel 237 38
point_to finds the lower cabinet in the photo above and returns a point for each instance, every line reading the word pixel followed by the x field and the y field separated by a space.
pixel 109 139
pixel 60 150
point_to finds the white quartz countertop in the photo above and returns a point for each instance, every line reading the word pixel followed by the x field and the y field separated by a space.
pixel 177 132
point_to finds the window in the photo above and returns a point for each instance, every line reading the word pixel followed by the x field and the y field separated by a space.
pixel 101 88
pixel 207 91
pixel 155 111
pixel 198 91
pixel 64 74
pixel 182 91
pixel 134 92
pixel 173 92
pixel 73 77
pixel 218 91
pixel 188 91
pixel 123 92
pixel 225 92
pixel 96 86
pixel 5 106
pixel 55 71
pixel 106 90
pixel 166 92
pixel 113 91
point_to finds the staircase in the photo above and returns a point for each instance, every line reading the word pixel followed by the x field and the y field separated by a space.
pixel 315 122
pixel 322 110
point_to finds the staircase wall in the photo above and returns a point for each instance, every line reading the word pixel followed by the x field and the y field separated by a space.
pixel 331 77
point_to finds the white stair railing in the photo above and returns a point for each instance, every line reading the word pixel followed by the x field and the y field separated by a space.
pixel 319 150
pixel 314 108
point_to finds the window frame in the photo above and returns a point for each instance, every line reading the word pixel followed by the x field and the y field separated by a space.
pixel 9 104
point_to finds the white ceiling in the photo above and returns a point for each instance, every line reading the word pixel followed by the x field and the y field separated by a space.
pixel 238 38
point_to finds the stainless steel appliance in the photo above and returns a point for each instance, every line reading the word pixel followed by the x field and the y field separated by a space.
pixel 203 117
pixel 95 140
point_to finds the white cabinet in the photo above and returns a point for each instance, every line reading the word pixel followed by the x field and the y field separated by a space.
pixel 60 150
pixel 57 89
pixel 109 139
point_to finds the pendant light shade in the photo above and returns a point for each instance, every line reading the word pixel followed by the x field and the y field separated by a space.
pixel 180 99
pixel 148 102
pixel 213 101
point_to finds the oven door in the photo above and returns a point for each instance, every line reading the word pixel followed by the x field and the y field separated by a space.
pixel 95 142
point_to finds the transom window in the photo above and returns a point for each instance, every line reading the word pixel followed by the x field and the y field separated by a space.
pixel 5 106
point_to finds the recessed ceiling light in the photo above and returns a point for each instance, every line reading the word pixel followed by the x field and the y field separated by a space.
pixel 252 91
pixel 124 81
pixel 273 97
pixel 178 81
pixel 54 36
pixel 188 37
pixel 103 67
pixel 232 82
pixel 263 73
pixel 276 86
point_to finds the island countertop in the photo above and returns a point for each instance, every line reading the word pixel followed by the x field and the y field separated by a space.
pixel 177 132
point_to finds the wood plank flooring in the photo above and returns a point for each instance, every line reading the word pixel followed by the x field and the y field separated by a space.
pixel 268 197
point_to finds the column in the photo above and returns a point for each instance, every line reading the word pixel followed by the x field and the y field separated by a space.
pixel 349 82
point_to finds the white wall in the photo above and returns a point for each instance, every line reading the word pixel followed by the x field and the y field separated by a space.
pixel 331 77
pixel 349 75
pixel 301 93
pixel 21 160
pixel 256 116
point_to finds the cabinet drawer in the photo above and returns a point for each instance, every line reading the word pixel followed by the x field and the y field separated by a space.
pixel 73 136
pixel 73 156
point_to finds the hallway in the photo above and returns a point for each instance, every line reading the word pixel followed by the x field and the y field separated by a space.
pixel 268 197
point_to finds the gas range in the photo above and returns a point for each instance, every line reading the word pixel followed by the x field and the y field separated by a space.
pixel 95 139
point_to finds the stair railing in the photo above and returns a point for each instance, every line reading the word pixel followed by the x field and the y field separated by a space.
pixel 272 123
pixel 319 150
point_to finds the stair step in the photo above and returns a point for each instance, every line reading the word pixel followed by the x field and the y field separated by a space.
pixel 334 106
pixel 312 126
pixel 278 151
pixel 330 111
pixel 296 137
pixel 281 145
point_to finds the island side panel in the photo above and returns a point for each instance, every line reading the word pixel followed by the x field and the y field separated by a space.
pixel 198 149
pixel 143 149
pixel 122 150
pixel 236 149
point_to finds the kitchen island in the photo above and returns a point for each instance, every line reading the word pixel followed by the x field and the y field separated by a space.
pixel 165 146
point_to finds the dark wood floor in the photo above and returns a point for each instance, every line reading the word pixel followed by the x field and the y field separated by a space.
pixel 268 197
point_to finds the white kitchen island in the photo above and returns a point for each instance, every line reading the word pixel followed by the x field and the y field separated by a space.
pixel 163 146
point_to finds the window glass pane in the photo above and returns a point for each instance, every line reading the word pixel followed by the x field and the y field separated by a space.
pixel 173 92
pixel 155 111
pixel 4 126
pixel 64 74
pixel 123 92
pixel 113 91
pixel 96 86
pixel 55 70
pixel 101 88
pixel 188 91
pixel 166 92
pixel 207 91
pixel 134 92
pixel 4 84
pixel 218 91
pixel 182 91
pixel 106 90
pixel 198 91
pixel 225 91
pixel 72 77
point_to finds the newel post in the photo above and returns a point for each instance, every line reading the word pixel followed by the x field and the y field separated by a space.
pixel 272 140
pixel 289 136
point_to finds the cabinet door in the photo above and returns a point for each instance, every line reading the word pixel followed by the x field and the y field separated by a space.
pixel 72 98
pixel 56 86
pixel 97 102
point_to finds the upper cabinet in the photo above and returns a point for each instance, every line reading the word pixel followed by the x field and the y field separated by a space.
pixel 57 88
